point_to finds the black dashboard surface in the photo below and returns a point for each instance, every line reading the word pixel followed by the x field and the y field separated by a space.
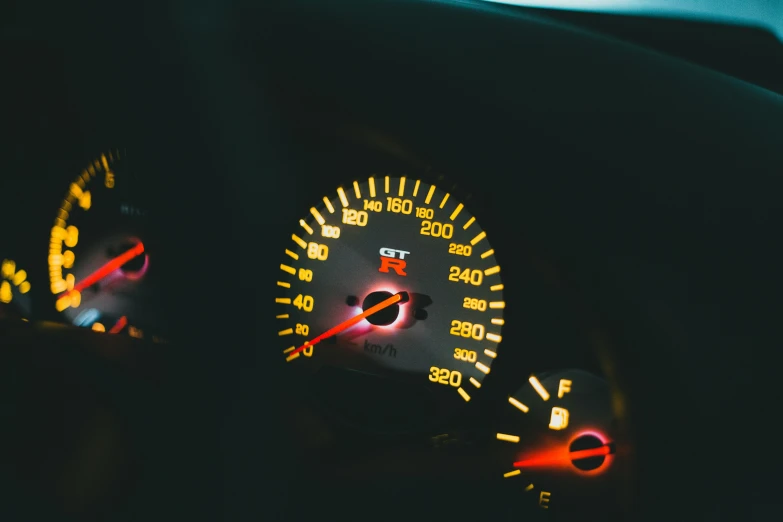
pixel 636 197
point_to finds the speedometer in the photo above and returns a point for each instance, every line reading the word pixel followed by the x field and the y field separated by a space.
pixel 392 278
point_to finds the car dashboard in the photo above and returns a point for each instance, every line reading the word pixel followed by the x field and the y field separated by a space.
pixel 428 260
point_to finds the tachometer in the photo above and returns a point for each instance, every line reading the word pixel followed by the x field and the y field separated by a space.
pixel 100 263
pixel 394 278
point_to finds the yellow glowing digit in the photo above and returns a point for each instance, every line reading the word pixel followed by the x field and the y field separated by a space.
pixel 460 250
pixel 305 275
pixel 85 200
pixel 302 329
pixel 399 205
pixel 424 213
pixel 5 292
pixel 8 268
pixel 467 330
pixel 304 302
pixel 72 236
pixel 445 376
pixel 109 181
pixel 316 251
pixel 467 276
pixel 436 229
pixel 19 277
pixel 474 304
pixel 465 355
pixel 355 217
pixel 329 231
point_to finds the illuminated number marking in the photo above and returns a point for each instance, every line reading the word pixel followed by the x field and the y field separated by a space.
pixel 473 304
pixel 424 213
pixel 372 206
pixel 316 251
pixel 72 236
pixel 467 276
pixel 109 181
pixel 445 376
pixel 302 329
pixel 465 355
pixel 467 330
pixel 308 352
pixel 329 231
pixel 305 275
pixel 398 205
pixel 436 229
pixel 460 250
pixel 304 302
pixel 355 217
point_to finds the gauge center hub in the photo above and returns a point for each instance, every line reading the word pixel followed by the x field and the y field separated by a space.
pixel 383 317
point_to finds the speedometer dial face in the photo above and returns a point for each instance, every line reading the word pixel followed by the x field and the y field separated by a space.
pixel 392 277
pixel 101 264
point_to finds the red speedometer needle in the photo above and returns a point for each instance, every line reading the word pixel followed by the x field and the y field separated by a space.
pixel 563 456
pixel 107 269
pixel 396 298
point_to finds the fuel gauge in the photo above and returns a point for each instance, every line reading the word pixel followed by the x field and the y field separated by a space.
pixel 559 446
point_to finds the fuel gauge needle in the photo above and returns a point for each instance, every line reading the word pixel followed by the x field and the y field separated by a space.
pixel 399 297
pixel 563 457
pixel 106 269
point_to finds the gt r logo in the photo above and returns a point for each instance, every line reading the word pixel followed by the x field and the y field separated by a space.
pixel 392 258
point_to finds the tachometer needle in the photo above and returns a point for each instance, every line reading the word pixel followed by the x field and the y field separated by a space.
pixel 106 269
pixel 399 297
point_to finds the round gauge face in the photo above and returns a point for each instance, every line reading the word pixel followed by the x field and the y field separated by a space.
pixel 392 278
pixel 558 445
pixel 101 268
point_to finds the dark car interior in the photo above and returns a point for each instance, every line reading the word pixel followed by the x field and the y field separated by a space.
pixel 626 170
